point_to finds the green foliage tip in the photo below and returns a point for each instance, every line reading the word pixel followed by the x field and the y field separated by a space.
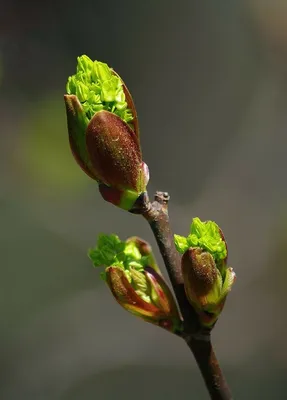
pixel 205 235
pixel 98 88
pixel 111 251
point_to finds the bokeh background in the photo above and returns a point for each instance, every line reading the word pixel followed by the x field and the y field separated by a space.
pixel 209 79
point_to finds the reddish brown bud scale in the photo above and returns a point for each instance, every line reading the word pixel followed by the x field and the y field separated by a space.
pixel 79 160
pixel 126 295
pixel 76 125
pixel 199 272
pixel 161 301
pixel 114 151
pixel 209 318
pixel 143 246
pixel 165 297
pixel 110 194
pixel 131 105
pixel 196 265
pixel 223 238
pixel 159 309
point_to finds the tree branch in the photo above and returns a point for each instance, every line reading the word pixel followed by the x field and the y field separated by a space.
pixel 196 336
pixel 209 367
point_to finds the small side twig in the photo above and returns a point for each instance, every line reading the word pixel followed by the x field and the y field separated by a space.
pixel 196 337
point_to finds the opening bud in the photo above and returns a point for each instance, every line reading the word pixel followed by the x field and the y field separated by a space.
pixel 146 295
pixel 103 132
pixel 207 278
pixel 135 281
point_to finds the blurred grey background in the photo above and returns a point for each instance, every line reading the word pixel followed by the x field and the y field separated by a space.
pixel 209 79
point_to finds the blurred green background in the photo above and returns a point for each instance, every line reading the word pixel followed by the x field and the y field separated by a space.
pixel 209 79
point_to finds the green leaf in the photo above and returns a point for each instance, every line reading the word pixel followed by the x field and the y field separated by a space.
pixel 206 235
pixel 192 240
pixel 108 240
pixel 180 243
pixel 108 246
pixel 229 280
pixel 111 251
pixel 139 280
pixel 147 261
pixel 131 250
pixel 103 276
pixel 197 227
pixel 109 90
pixel 102 257
pixel 82 91
pixel 213 297
pixel 84 64
pixel 135 265
pixel 71 85
pixel 101 71
pixel 98 88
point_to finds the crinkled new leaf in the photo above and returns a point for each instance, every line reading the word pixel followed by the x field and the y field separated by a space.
pixel 97 88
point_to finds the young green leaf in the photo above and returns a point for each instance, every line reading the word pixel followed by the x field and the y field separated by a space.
pixel 98 88
pixel 181 243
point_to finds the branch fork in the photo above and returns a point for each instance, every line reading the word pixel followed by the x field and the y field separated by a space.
pixel 197 337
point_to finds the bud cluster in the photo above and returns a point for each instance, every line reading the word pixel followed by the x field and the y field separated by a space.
pixel 104 139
